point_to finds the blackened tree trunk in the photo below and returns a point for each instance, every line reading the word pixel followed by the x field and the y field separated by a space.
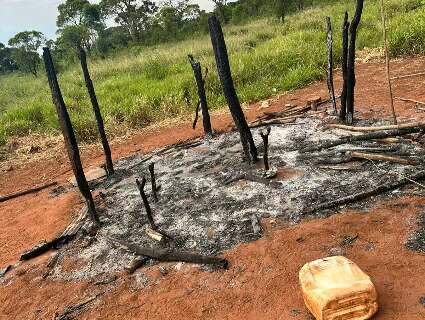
pixel 99 120
pixel 69 135
pixel 223 66
pixel 200 82
pixel 330 77
pixel 351 76
pixel 345 27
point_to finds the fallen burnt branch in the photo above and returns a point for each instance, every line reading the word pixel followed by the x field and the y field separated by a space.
pixel 408 76
pixel 25 192
pixel 278 121
pixel 367 194
pixel 168 255
pixel 380 128
pixel 43 247
pixel 410 100
pixel 382 157
pixel 363 137
pixel 71 312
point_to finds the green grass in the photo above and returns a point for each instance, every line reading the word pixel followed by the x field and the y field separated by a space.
pixel 145 85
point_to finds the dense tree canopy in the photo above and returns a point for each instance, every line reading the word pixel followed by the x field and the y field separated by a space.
pixel 84 24
pixel 26 45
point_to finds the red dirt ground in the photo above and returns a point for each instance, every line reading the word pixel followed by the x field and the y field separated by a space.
pixel 262 280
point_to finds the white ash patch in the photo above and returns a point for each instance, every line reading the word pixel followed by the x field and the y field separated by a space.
pixel 203 210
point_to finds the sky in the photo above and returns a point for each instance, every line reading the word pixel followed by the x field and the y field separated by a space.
pixel 40 15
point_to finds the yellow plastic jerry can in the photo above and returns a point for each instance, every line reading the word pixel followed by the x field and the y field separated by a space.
pixel 335 288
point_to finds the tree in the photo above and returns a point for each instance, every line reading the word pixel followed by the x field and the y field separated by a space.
pixel 7 64
pixel 26 45
pixel 134 15
pixel 220 9
pixel 79 23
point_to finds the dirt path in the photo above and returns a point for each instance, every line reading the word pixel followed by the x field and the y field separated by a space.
pixel 262 282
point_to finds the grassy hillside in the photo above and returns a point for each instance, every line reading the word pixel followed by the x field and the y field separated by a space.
pixel 144 85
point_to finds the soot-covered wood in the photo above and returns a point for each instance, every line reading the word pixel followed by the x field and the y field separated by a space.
pixel 223 66
pixel 330 78
pixel 69 135
pixel 99 120
pixel 351 76
pixel 200 82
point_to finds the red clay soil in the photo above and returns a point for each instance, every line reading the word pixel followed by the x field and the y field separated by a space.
pixel 262 281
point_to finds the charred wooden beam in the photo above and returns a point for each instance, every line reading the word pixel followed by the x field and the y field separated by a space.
pixel 99 120
pixel 69 135
pixel 330 78
pixel 367 194
pixel 224 72
pixel 351 75
pixel 363 137
pixel 265 136
pixel 169 255
pixel 25 192
pixel 345 28
pixel 195 121
pixel 45 246
pixel 200 82
pixel 141 186
pixel 153 181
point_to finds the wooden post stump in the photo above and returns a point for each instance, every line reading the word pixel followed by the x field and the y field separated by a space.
pixel 345 27
pixel 330 78
pixel 69 135
pixel 200 82
pixel 351 76
pixel 224 72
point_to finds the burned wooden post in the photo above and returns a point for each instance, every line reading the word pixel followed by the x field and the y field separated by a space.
pixel 345 27
pixel 99 120
pixel 68 134
pixel 330 77
pixel 351 76
pixel 195 121
pixel 141 186
pixel 200 82
pixel 265 136
pixel 224 72
pixel 153 181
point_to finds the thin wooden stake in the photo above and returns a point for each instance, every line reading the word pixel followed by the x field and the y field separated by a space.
pixel 99 120
pixel 387 61
pixel 141 186
pixel 265 136
pixel 330 78
pixel 69 135
pixel 345 28
pixel 200 82
pixel 153 181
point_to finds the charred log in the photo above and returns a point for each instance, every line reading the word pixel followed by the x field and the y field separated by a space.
pixel 351 76
pixel 99 120
pixel 141 186
pixel 200 82
pixel 223 66
pixel 330 78
pixel 345 28
pixel 69 135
